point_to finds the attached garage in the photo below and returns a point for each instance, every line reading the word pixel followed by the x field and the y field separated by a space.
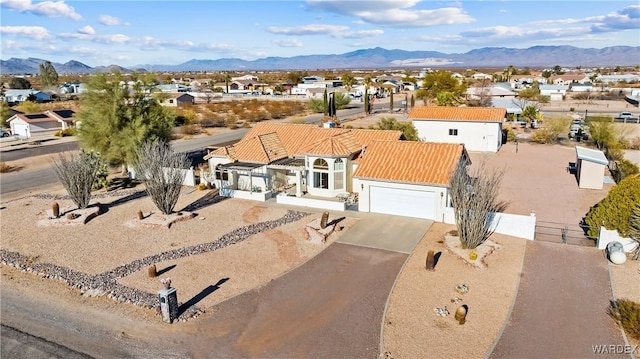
pixel 20 128
pixel 403 202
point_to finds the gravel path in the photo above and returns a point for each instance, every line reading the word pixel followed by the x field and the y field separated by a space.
pixel 561 307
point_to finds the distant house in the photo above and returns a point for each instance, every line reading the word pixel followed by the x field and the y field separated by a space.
pixel 174 88
pixel 481 76
pixel 178 99
pixel 72 88
pixel 555 92
pixel 245 78
pixel 478 128
pixel 512 105
pixel 319 92
pixel 586 87
pixel 618 78
pixel 311 79
pixel 245 86
pixel 14 96
pixel 568 79
pixel 491 91
pixel 41 123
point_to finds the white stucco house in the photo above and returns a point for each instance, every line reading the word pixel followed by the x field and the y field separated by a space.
pixel 29 125
pixel 13 95
pixel 478 128
pixel 555 92
pixel 333 168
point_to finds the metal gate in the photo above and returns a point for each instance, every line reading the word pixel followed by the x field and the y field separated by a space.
pixel 564 233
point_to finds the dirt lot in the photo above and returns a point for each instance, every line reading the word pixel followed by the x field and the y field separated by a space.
pixel 536 181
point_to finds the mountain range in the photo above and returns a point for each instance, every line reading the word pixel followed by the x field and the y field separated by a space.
pixel 534 57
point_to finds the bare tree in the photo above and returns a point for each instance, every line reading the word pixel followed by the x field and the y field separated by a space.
pixel 162 172
pixel 77 174
pixel 475 199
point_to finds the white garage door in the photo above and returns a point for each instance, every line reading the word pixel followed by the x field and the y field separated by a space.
pixel 20 129
pixel 403 202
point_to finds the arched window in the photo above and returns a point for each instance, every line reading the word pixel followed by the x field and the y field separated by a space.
pixel 338 174
pixel 320 174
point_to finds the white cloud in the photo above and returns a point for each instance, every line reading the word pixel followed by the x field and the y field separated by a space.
pixel 358 34
pixel 109 20
pixel 312 29
pixel 33 32
pixel 625 19
pixel 288 43
pixel 115 38
pixel 88 30
pixel 83 34
pixel 393 13
pixel 44 8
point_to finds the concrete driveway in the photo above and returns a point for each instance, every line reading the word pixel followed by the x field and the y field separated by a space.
pixel 391 233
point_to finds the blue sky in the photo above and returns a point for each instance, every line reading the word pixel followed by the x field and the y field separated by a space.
pixel 129 33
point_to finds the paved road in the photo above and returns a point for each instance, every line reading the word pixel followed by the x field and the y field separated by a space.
pixel 561 306
pixel 20 345
pixel 37 150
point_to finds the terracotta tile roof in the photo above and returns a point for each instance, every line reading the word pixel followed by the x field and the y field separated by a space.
pixel 295 137
pixel 288 140
pixel 444 113
pixel 410 161
pixel 260 149
pixel 342 144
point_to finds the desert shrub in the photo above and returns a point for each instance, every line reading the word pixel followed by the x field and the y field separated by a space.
pixel 627 313
pixel 342 100
pixel 189 130
pixel 316 105
pixel 160 169
pixel 509 133
pixel 211 122
pixel 475 197
pixel 4 168
pixel 551 130
pixel 625 168
pixel 102 177
pixel 64 133
pixel 77 174
pixel 615 210
pixel 634 231
pixel 389 123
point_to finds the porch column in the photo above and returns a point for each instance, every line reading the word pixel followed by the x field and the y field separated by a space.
pixel 298 183
pixel 250 182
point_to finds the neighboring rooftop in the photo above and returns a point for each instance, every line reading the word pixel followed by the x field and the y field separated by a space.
pixel 446 113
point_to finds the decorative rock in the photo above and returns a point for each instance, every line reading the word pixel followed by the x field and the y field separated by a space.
pixel 106 282
pixel 317 234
